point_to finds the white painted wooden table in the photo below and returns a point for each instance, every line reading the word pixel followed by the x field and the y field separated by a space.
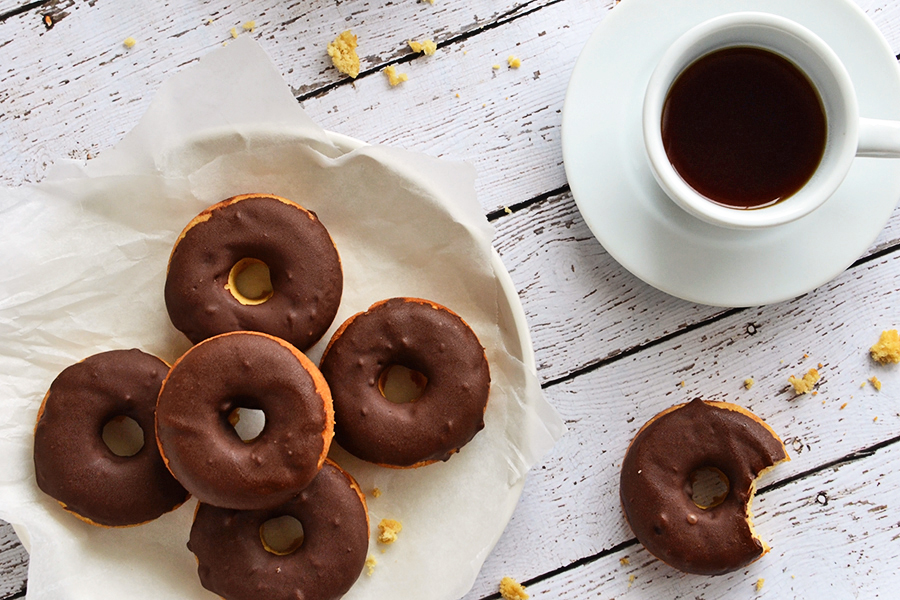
pixel 611 351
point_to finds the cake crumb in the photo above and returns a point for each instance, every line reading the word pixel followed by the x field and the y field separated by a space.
pixel 887 349
pixel 759 583
pixel 343 54
pixel 875 419
pixel 388 530
pixel 496 67
pixel 394 78
pixel 428 47
pixel 513 62
pixel 748 383
pixel 624 561
pixel 507 210
pixel 631 579
pixel 510 589
pixel 682 383
pixel 430 2
pixel 876 383
pixel 843 406
pixel 370 565
pixel 376 492
pixel 804 385
pixel 234 32
pixel 249 26
pixel 129 42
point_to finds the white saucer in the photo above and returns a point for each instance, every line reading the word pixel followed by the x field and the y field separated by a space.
pixel 658 242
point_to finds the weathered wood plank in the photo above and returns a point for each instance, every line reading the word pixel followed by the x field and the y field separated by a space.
pixel 582 306
pixel 833 535
pixel 570 507
pixel 13 562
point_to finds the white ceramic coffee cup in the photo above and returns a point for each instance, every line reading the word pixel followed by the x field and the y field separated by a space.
pixel 847 135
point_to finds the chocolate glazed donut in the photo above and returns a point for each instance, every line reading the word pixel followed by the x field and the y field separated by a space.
pixel 234 563
pixel 304 269
pixel 656 486
pixel 429 339
pixel 74 465
pixel 244 370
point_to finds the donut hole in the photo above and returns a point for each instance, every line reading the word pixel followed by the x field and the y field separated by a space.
pixel 249 281
pixel 709 487
pixel 123 436
pixel 281 535
pixel 401 385
pixel 248 423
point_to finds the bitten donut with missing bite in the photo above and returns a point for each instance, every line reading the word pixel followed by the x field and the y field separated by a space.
pixel 426 338
pixel 254 231
pixel 244 370
pixel 74 465
pixel 235 562
pixel 657 485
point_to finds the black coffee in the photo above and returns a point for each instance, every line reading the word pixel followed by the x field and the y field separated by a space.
pixel 744 127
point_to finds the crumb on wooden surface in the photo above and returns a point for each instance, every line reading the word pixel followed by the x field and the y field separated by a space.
pixel 876 383
pixel 370 565
pixel 887 349
pixel 843 406
pixel 748 383
pixel 394 78
pixel 510 589
pixel 624 561
pixel 249 26
pixel 376 492
pixel 234 32
pixel 631 579
pixel 513 62
pixel 507 210
pixel 129 42
pixel 681 383
pixel 495 67
pixel 343 54
pixel 388 530
pixel 427 47
pixel 805 384
pixel 759 583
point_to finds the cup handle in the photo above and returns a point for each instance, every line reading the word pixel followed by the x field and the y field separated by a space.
pixel 878 137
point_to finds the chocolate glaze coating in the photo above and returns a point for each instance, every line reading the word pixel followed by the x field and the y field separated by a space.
pixel 656 485
pixel 304 268
pixel 233 563
pixel 244 370
pixel 421 336
pixel 73 464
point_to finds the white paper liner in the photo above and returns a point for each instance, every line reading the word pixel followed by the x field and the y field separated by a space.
pixel 85 255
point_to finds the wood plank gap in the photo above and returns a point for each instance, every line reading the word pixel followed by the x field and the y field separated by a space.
pixel 509 16
pixel 726 313
pixel 20 594
pixel 574 565
pixel 849 458
pixel 23 9
pixel 508 210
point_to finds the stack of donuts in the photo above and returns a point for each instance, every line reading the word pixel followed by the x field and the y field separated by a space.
pixel 248 353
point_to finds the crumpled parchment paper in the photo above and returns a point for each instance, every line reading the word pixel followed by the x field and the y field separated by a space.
pixel 85 255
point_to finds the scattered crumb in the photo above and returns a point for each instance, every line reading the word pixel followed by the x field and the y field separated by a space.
pixel 388 530
pixel 819 366
pixel 887 350
pixel 249 26
pixel 428 47
pixel 394 78
pixel 513 62
pixel 209 21
pixel 759 583
pixel 496 67
pixel 507 210
pixel 748 383
pixel 875 419
pixel 370 565
pixel 624 561
pixel 875 383
pixel 682 383
pixel 129 42
pixel 430 1
pixel 48 21
pixel 510 589
pixel 457 94
pixel 343 54
pixel 376 492
pixel 862 385
pixel 804 385
pixel 805 355
pixel 843 406
pixel 815 393
pixel 234 32
pixel 631 579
